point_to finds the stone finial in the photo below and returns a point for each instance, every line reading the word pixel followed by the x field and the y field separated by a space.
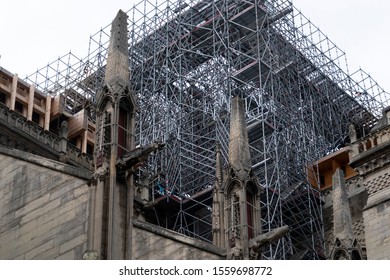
pixel 63 145
pixel 341 212
pixel 63 133
pixel 345 245
pixel 117 67
pixel 352 133
pixel 239 155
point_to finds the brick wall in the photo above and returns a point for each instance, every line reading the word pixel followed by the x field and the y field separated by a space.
pixel 43 211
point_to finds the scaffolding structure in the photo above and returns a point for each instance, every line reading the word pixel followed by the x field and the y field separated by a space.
pixel 188 58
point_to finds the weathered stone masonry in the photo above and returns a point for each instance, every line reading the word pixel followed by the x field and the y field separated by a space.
pixel 43 210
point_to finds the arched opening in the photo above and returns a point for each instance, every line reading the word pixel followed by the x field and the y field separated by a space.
pixel 340 255
pixel 251 192
pixel 241 212
pixel 126 108
pixel 355 255
pixel 103 131
pixel 233 214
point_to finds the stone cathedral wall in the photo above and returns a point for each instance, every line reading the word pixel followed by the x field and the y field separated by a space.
pixel 43 208
pixel 377 215
pixel 154 243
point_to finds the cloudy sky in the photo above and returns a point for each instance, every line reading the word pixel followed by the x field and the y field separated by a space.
pixel 36 32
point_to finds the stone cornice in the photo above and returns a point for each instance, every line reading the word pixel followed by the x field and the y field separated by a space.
pixel 377 198
pixel 51 164
pixel 371 159
pixel 173 235
pixel 372 164
pixel 46 142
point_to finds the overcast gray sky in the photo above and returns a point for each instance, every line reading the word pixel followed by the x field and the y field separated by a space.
pixel 361 28
pixel 36 32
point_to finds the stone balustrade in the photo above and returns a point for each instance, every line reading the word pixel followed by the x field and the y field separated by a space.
pixel 46 139
pixel 367 153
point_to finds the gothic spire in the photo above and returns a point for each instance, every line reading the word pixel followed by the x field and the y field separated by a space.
pixel 345 244
pixel 239 155
pixel 341 212
pixel 117 68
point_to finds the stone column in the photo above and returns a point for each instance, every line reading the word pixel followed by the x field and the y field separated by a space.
pixel 63 147
pixel 30 105
pixel 47 112
pixel 14 87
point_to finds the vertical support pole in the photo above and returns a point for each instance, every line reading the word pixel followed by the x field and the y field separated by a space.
pixel 30 105
pixel 13 92
pixel 47 112
pixel 63 147
pixel 84 142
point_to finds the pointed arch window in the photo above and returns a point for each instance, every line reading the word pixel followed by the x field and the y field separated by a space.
pixel 241 213
pixel 103 131
pixel 122 131
pixel 250 208
pixel 234 218
pixel 124 126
